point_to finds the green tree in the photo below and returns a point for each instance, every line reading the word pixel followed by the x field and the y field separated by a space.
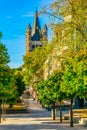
pixel 69 87
pixel 74 15
pixel 7 89
pixel 19 86
pixel 34 64
pixel 49 91
pixel 19 81
pixel 81 70
pixel 4 58
pixel 73 78
pixel 71 33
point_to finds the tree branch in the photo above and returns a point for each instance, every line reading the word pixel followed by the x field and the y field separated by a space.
pixel 45 12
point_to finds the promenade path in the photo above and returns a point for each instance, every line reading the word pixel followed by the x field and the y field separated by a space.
pixel 37 119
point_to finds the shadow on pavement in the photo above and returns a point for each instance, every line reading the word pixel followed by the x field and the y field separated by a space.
pixel 42 126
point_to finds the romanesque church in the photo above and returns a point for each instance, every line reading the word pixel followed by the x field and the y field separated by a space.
pixel 35 35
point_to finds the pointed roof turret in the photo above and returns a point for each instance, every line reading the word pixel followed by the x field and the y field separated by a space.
pixel 29 27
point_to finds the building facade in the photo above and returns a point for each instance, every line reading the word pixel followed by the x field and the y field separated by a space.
pixel 35 36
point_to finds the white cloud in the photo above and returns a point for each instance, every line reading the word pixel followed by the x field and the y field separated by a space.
pixel 30 14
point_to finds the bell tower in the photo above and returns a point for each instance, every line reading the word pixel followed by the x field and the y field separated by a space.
pixel 34 35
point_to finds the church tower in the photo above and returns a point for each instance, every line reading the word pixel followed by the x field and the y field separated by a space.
pixel 28 38
pixel 35 36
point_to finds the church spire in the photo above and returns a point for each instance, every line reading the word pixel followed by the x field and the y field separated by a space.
pixel 36 25
pixel 35 35
pixel 29 27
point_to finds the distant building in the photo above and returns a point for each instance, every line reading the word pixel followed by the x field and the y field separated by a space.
pixel 35 36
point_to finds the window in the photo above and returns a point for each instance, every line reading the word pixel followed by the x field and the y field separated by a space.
pixel 33 46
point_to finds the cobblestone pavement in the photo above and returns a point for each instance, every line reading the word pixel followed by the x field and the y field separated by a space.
pixel 37 119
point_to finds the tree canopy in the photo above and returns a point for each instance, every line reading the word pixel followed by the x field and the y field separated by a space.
pixel 7 85
pixel 20 84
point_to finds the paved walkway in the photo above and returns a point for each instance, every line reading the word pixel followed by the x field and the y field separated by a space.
pixel 37 119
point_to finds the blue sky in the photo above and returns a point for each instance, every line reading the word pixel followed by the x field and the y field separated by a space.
pixel 14 18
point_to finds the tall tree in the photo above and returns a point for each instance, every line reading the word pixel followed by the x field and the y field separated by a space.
pixel 49 91
pixel 4 57
pixel 74 14
pixel 73 79
pixel 33 64
pixel 7 89
pixel 19 81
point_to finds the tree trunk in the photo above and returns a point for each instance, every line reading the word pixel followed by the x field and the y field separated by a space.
pixel 3 110
pixel 71 113
pixel 10 105
pixel 60 111
pixel 54 112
